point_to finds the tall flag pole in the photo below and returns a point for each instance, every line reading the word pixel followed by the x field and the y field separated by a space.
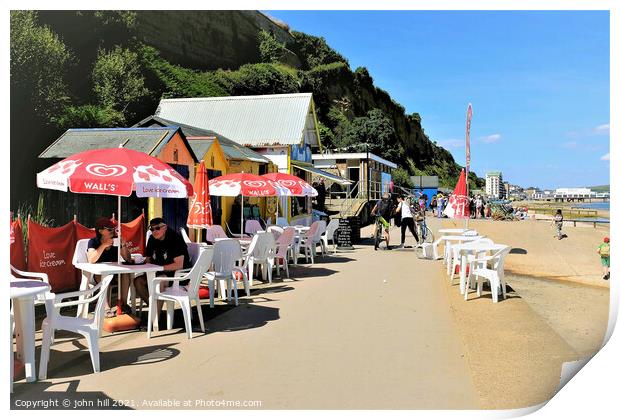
pixel 467 152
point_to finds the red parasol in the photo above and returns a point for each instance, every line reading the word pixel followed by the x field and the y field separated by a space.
pixel 292 183
pixel 458 204
pixel 200 215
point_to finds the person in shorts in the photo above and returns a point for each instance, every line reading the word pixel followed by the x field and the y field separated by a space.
pixel 558 219
pixel 165 247
pixel 603 251
pixel 382 211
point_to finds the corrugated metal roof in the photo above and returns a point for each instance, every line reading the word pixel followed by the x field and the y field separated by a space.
pixel 255 121
pixel 200 146
pixel 231 149
pixel 147 140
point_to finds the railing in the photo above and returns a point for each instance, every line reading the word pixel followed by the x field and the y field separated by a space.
pixel 565 212
pixel 349 201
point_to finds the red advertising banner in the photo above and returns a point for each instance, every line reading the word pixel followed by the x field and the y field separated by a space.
pixel 82 232
pixel 134 233
pixel 50 250
pixel 18 253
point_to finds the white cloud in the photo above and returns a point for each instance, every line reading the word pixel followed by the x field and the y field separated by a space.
pixel 603 128
pixel 589 132
pixel 452 143
pixel 493 138
pixel 570 145
pixel 605 157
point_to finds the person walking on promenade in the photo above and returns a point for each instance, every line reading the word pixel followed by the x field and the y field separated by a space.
pixel 322 193
pixel 433 205
pixel 557 221
pixel 440 205
pixel 406 221
pixel 603 251
pixel 487 210
pixel 479 205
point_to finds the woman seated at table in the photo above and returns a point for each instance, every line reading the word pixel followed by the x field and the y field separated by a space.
pixel 101 249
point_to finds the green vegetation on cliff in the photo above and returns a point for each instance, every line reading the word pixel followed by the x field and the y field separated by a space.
pixel 101 69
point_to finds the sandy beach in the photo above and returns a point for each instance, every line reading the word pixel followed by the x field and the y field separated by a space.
pixel 366 330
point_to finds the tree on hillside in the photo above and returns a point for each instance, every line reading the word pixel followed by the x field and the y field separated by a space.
pixel 117 79
pixel 271 51
pixel 39 62
pixel 314 51
pixel 377 131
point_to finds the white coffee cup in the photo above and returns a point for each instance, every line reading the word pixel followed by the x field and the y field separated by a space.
pixel 137 258
pixel 116 241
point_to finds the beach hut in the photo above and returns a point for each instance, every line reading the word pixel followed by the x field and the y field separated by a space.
pixel 282 128
pixel 169 144
pixel 221 156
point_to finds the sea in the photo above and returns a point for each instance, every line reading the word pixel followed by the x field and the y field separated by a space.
pixel 596 206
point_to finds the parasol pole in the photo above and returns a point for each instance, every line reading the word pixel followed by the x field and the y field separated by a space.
pixel 118 224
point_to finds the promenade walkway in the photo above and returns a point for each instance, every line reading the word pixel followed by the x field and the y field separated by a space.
pixel 362 330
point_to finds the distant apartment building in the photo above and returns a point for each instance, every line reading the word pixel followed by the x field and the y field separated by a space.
pixel 494 185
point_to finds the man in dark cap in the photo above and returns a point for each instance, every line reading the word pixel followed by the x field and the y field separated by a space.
pixel 165 247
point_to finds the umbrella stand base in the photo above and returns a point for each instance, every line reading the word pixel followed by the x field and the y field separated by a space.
pixel 123 322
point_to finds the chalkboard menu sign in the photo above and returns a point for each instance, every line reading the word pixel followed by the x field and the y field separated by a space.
pixel 344 234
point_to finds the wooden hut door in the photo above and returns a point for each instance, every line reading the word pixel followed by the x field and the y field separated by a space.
pixel 216 202
pixel 175 210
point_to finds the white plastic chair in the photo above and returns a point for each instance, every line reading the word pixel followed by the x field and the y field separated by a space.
pixel 89 328
pixel 12 353
pixel 329 234
pixel 80 255
pixel 39 300
pixel 276 231
pixel 309 240
pixel 494 275
pixel 226 253
pixel 281 221
pixel 455 260
pixel 183 295
pixel 262 250
pixel 215 232
pixel 185 236
pixel 284 246
pixel 252 226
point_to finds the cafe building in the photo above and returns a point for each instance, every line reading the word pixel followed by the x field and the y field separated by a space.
pixel 281 128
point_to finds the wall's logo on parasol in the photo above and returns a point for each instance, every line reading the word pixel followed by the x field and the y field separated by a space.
pixel 255 184
pixel 287 183
pixel 101 169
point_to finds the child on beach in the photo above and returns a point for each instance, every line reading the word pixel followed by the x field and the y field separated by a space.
pixel 603 251
pixel 557 221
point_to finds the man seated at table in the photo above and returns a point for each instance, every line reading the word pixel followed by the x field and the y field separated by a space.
pixel 101 249
pixel 165 247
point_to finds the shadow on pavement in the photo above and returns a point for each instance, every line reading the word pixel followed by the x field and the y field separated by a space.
pixel 76 363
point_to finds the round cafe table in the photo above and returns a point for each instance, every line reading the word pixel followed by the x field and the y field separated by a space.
pixel 23 293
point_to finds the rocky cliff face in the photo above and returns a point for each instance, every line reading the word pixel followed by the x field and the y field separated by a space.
pixel 207 40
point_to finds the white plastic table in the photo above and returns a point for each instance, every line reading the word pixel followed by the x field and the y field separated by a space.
pixel 454 231
pixel 111 269
pixel 448 239
pixel 23 293
pixel 476 247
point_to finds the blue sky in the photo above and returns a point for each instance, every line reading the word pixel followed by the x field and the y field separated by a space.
pixel 538 82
